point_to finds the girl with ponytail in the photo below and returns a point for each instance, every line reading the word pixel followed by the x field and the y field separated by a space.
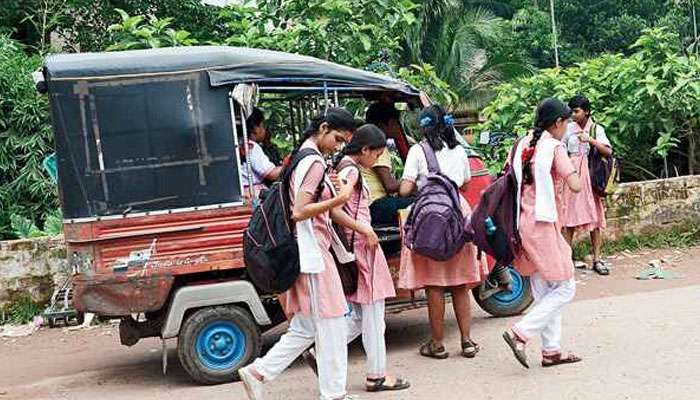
pixel 542 168
pixel 462 271
pixel 316 302
pixel 375 283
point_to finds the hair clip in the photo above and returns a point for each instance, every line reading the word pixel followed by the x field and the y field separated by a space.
pixel 426 122
pixel 448 119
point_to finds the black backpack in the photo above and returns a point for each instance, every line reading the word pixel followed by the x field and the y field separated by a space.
pixel 604 172
pixel 499 236
pixel 270 249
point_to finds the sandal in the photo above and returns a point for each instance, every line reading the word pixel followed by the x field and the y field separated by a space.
pixel 518 347
pixel 557 359
pixel 433 350
pixel 601 268
pixel 469 348
pixel 379 385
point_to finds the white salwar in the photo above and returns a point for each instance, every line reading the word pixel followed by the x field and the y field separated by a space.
pixel 544 318
pixel 330 338
pixel 368 320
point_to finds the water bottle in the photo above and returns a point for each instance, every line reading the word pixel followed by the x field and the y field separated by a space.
pixel 490 226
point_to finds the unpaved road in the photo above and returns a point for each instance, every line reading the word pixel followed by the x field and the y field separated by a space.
pixel 640 340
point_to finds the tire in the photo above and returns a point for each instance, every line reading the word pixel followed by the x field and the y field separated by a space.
pixel 507 304
pixel 215 342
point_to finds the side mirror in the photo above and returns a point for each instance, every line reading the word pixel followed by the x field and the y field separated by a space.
pixel 40 82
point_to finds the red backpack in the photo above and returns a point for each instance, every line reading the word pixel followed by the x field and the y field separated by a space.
pixel 494 219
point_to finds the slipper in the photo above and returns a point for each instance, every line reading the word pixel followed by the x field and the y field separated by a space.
pixel 432 350
pixel 554 360
pixel 519 354
pixel 601 268
pixel 379 385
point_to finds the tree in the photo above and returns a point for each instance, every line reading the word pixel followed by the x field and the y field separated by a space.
pixel 469 46
pixel 649 95
pixel 25 139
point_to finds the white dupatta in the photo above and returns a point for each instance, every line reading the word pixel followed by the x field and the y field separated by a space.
pixel 310 256
pixel 545 200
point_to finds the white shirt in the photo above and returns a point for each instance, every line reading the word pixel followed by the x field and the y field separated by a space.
pixel 260 164
pixel 454 163
pixel 574 146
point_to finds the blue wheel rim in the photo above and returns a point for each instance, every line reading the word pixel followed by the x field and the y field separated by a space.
pixel 220 345
pixel 506 298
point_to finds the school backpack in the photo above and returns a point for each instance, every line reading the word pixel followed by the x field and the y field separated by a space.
pixel 270 249
pixel 604 172
pixel 436 227
pixel 494 220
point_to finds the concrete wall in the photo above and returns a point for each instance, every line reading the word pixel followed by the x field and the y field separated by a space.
pixel 36 266
pixel 639 207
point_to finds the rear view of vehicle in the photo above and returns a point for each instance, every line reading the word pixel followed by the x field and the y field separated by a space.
pixel 152 201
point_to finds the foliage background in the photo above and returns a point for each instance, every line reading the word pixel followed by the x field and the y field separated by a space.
pixel 468 54
pixel 648 103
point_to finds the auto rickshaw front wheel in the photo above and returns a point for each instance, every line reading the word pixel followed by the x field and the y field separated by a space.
pixel 215 342
pixel 507 303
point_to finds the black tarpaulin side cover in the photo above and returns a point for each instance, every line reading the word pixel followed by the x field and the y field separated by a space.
pixel 225 65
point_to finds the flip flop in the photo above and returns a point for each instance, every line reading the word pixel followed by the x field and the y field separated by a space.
pixel 520 355
pixel 557 359
pixel 379 385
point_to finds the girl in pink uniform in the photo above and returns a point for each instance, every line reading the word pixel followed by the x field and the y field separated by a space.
pixel 458 274
pixel 375 283
pixel 543 168
pixel 316 301
pixel 584 210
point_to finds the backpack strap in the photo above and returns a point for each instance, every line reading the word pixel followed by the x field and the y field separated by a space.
pixel 358 187
pixel 430 157
pixel 345 163
pixel 287 175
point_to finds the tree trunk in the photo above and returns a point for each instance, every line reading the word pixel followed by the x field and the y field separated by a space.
pixel 691 153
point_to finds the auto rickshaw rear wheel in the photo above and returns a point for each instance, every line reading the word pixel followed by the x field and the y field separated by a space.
pixel 214 342
pixel 507 303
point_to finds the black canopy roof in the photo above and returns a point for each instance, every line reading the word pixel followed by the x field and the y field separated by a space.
pixel 224 65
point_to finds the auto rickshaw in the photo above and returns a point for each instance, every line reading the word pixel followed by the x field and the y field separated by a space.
pixel 148 146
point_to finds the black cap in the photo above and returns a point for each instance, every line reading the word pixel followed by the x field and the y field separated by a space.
pixel 549 111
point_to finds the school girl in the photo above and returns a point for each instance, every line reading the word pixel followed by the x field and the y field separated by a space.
pixel 374 281
pixel 462 271
pixel 316 302
pixel 543 168
pixel 584 210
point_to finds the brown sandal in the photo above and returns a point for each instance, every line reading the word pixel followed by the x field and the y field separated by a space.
pixel 379 385
pixel 557 359
pixel 513 341
pixel 469 348
pixel 433 350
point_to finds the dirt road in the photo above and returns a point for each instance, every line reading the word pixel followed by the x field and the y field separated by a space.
pixel 640 340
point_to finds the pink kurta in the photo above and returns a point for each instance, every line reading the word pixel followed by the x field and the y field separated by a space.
pixel 418 272
pixel 297 299
pixel 544 249
pixel 374 281
pixel 584 210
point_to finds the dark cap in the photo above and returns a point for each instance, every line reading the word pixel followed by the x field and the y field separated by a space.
pixel 549 111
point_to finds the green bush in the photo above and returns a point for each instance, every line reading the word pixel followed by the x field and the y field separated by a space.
pixel 648 103
pixel 25 139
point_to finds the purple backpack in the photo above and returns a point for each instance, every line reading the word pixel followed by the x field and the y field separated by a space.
pixel 436 227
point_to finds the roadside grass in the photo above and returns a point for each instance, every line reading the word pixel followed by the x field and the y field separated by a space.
pixel 20 311
pixel 679 236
